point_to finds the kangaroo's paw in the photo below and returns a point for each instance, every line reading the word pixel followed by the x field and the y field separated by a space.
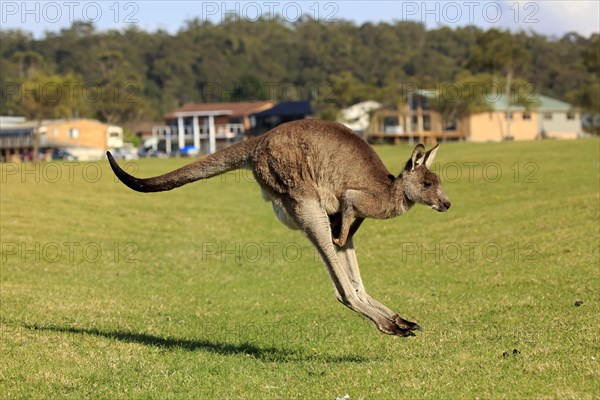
pixel 405 324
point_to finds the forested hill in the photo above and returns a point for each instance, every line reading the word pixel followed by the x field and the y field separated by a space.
pixel 333 64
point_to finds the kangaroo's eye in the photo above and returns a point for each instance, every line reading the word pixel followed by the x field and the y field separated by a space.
pixel 427 185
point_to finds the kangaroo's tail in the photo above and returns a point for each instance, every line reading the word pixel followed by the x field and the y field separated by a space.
pixel 228 159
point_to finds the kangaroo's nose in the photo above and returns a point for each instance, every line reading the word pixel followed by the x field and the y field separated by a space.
pixel 447 204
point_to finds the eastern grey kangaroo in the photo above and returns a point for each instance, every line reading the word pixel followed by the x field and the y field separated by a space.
pixel 324 180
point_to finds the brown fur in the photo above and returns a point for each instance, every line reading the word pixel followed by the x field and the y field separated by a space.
pixel 324 180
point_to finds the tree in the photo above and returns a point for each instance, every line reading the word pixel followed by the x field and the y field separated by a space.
pixel 348 90
pixel 28 63
pixel 120 91
pixel 150 73
pixel 49 96
pixel 461 98
pixel 500 52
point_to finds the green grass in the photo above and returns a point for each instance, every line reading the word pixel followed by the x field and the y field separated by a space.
pixel 202 293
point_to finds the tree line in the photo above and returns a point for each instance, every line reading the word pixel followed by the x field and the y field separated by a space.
pixel 128 75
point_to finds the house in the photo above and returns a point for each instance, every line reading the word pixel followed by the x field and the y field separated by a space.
pixel 412 120
pixel 281 113
pixel 141 129
pixel 16 138
pixel 416 119
pixel 546 118
pixel 206 125
pixel 87 139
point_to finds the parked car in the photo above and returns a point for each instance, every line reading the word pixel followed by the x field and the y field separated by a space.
pixel 57 154
pixel 125 153
pixel 150 152
pixel 189 151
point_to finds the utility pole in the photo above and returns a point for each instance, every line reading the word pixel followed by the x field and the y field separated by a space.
pixel 410 119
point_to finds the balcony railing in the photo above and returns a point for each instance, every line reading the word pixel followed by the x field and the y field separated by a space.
pixel 225 131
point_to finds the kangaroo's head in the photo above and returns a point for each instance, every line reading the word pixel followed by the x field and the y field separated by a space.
pixel 419 184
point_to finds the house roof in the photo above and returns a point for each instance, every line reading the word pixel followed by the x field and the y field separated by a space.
pixel 499 102
pixel 142 126
pixel 537 102
pixel 239 109
pixel 10 124
pixel 8 120
pixel 288 109
pixel 427 92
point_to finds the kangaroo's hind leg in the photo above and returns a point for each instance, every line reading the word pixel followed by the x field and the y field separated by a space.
pixel 347 256
pixel 312 219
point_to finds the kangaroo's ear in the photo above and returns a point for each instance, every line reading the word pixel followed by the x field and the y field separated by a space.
pixel 417 158
pixel 430 155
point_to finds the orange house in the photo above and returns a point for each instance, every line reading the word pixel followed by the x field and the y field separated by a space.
pixel 546 118
pixel 87 139
pixel 86 133
pixel 416 120
pixel 496 126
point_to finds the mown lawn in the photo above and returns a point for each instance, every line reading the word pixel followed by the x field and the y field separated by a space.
pixel 202 293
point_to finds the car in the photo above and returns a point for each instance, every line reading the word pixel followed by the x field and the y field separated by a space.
pixel 189 151
pixel 124 153
pixel 150 152
pixel 57 154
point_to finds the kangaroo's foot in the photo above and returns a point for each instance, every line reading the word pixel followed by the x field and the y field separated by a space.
pixel 401 322
pixel 397 326
pixel 392 328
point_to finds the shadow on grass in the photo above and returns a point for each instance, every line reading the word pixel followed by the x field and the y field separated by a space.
pixel 272 354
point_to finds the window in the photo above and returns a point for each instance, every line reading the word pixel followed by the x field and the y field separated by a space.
pixel 570 115
pixel 451 125
pixel 235 128
pixel 391 124
pixel 548 116
pixel 390 121
pixel 114 134
pixel 426 123
pixel 508 115
pixel 74 133
pixel 526 115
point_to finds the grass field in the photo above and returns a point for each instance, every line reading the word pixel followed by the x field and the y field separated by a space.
pixel 202 293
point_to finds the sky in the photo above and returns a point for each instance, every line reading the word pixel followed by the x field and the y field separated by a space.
pixel 548 17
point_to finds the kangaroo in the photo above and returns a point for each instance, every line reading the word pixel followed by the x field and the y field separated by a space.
pixel 324 180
